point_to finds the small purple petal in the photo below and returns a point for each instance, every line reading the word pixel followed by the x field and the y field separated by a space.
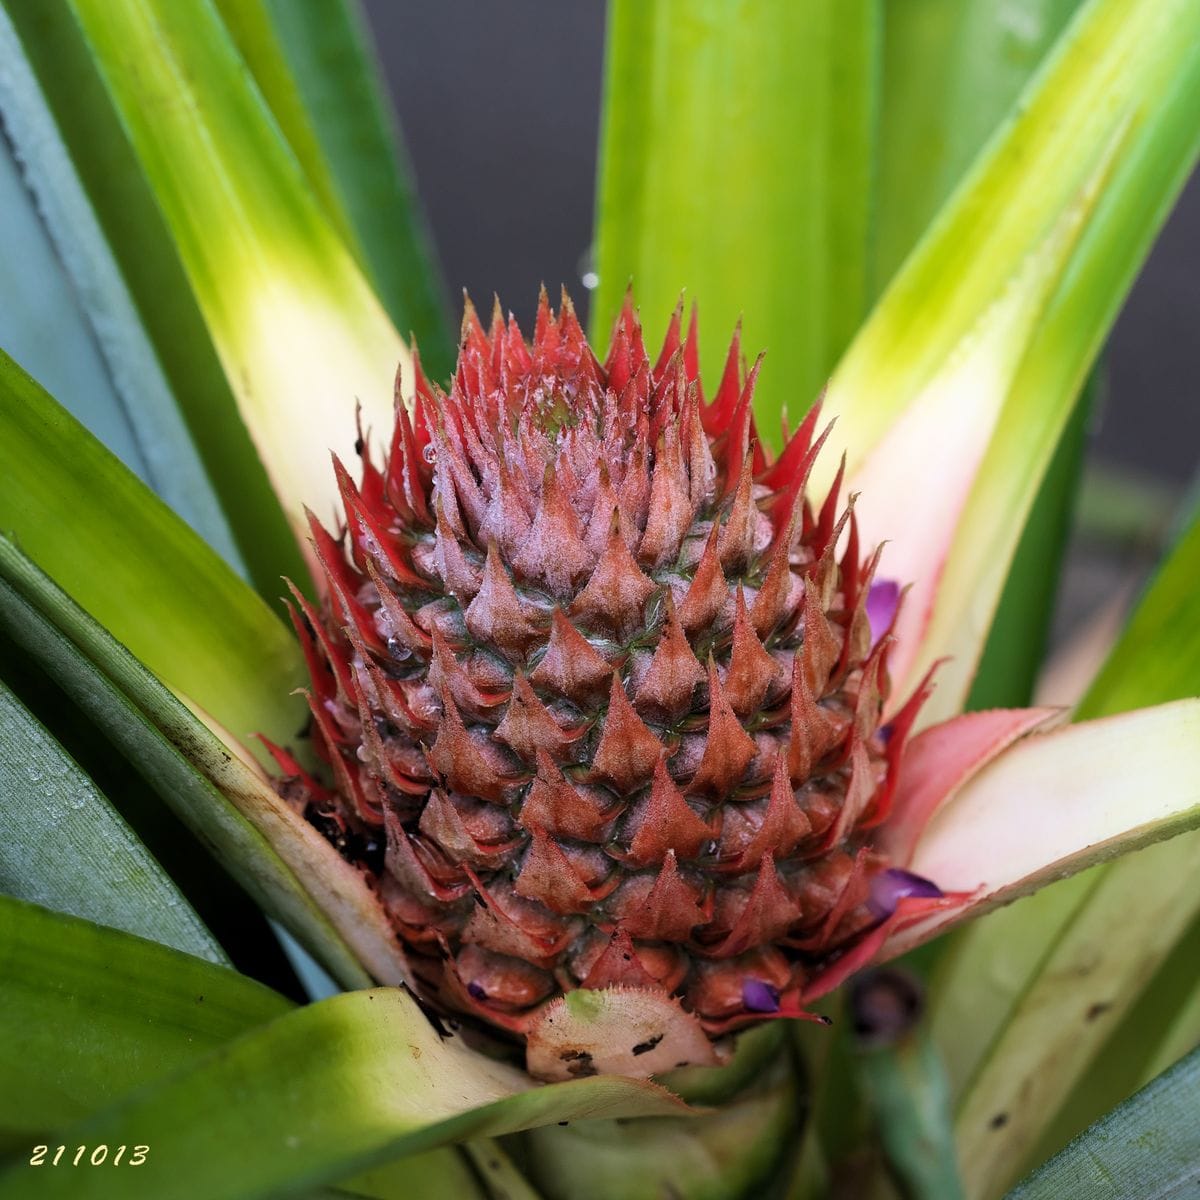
pixel 882 601
pixel 759 997
pixel 889 887
pixel 885 732
pixel 476 991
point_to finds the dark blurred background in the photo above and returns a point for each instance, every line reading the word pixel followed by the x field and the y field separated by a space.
pixel 500 107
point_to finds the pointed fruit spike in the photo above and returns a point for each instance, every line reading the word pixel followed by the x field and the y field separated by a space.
pixel 753 674
pixel 728 748
pixel 674 673
pixel 667 824
pixel 628 751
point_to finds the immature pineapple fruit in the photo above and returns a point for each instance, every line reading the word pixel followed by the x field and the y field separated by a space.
pixel 593 675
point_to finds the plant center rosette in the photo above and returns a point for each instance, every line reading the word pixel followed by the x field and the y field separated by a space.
pixel 600 687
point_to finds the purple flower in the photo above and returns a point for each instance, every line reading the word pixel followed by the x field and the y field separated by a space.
pixel 759 997
pixel 889 887
pixel 476 991
pixel 882 601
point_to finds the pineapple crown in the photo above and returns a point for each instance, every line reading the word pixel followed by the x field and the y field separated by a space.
pixel 600 689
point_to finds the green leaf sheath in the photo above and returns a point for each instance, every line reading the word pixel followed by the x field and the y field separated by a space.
pixel 139 570
pixel 126 272
pixel 730 1152
pixel 178 757
pixel 502 1179
pixel 905 1087
pixel 736 161
pixel 65 847
pixel 448 1173
pixel 1149 1148
pixel 314 64
pixel 316 1094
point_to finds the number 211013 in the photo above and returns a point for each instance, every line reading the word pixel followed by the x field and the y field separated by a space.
pixel 97 1158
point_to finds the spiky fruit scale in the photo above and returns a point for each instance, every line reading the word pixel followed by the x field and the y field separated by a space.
pixel 594 671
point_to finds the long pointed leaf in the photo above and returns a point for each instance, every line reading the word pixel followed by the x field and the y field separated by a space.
pixel 300 334
pixel 138 569
pixel 735 161
pixel 158 438
pixel 1088 793
pixel 45 326
pixel 1149 1148
pixel 1092 971
pixel 1108 130
pixel 117 250
pixel 313 63
pixel 95 1014
pixel 67 848
pixel 1028 1014
pixel 338 1086
pixel 90 1012
pixel 273 852
pixel 1013 655
pixel 1154 1034
pixel 1158 654
pixel 950 74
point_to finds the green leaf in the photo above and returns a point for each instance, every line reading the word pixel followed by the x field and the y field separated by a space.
pixel 1015 650
pixel 313 63
pixel 100 1012
pixel 1154 1034
pixel 45 326
pixel 977 350
pixel 442 1174
pixel 180 757
pixel 1158 654
pixel 950 74
pixel 1183 1031
pixel 134 295
pixel 1149 1147
pixel 316 1094
pixel 498 1171
pixel 274 853
pixel 736 161
pixel 299 332
pixel 1047 981
pixel 138 569
pixel 65 846
pixel 1093 965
